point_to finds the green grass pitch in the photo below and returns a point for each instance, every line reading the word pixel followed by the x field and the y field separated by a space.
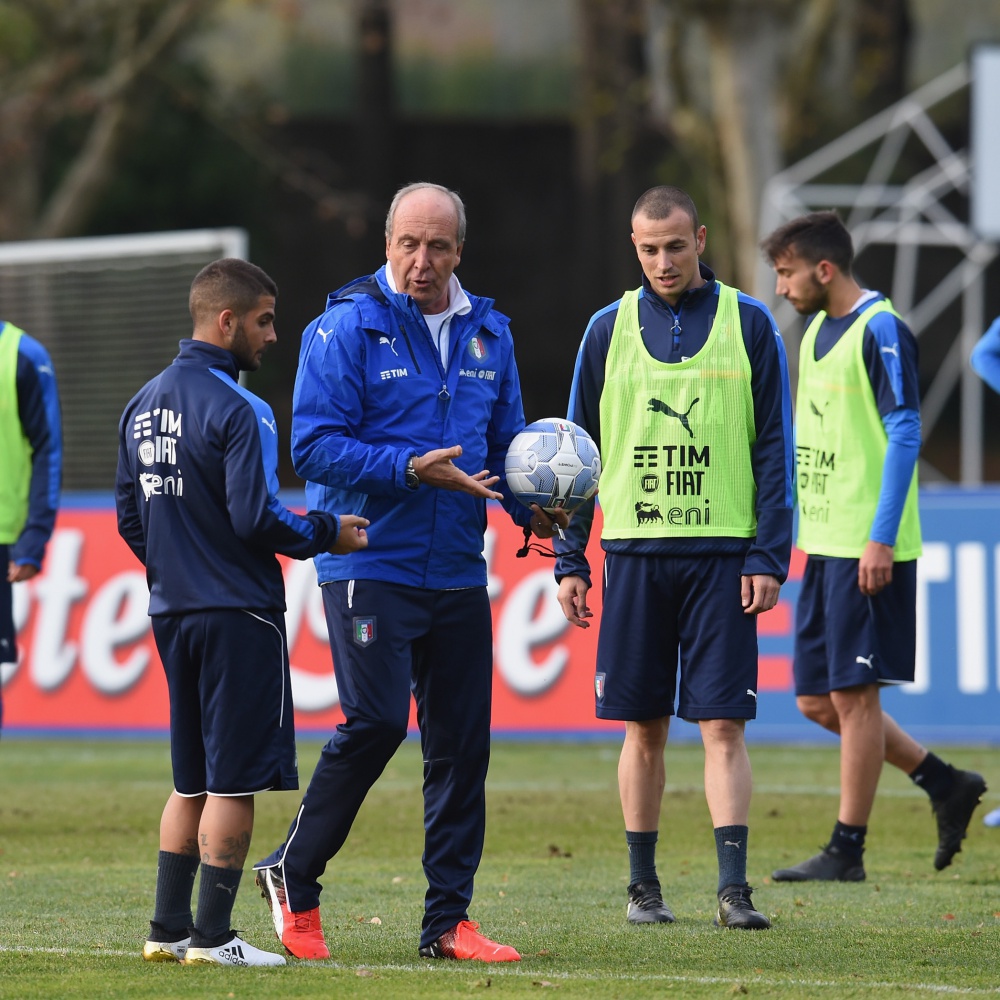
pixel 78 842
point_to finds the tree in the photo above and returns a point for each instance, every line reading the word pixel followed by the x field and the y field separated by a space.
pixel 737 87
pixel 70 73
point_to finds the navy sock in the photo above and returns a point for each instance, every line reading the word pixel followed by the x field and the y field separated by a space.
pixel 641 856
pixel 849 840
pixel 731 849
pixel 934 776
pixel 216 896
pixel 174 886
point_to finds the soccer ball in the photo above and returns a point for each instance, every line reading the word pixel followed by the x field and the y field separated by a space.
pixel 553 463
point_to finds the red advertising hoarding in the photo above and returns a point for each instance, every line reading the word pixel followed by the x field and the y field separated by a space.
pixel 88 661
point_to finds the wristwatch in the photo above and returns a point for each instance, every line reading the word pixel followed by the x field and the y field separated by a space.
pixel 410 476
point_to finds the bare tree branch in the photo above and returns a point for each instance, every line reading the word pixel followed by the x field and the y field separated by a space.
pixel 93 169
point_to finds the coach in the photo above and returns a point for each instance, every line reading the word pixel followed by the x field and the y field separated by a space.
pixel 407 395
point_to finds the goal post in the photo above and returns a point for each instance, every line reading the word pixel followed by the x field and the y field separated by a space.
pixel 110 310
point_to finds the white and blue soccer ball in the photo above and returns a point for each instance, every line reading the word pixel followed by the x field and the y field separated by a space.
pixel 554 463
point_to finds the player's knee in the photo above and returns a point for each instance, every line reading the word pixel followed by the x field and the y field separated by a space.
pixel 647 735
pixel 819 709
pixel 381 737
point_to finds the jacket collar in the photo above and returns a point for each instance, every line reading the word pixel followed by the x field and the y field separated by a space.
pixel 692 295
pixel 201 354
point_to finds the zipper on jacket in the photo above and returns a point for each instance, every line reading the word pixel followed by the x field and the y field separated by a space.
pixel 676 331
pixel 409 347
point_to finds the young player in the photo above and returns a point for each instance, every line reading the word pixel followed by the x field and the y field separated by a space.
pixel 857 443
pixel 197 503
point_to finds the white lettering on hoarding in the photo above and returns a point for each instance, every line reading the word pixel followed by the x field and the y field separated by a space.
pixel 971 650
pixel 116 617
pixel 933 567
pixel 112 617
pixel 530 617
pixel 970 612
pixel 996 609
pixel 55 592
pixel 311 691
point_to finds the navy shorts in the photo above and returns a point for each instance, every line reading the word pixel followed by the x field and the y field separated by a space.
pixel 843 638
pixel 668 614
pixel 232 731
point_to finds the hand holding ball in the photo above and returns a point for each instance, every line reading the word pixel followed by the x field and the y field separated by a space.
pixel 553 463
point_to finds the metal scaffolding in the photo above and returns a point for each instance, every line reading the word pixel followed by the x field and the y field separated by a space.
pixel 907 217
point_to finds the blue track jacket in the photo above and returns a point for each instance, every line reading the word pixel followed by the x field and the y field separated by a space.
pixel 197 486
pixel 670 335
pixel 371 392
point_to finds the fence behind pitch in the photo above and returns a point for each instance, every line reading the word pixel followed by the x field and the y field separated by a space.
pixel 110 311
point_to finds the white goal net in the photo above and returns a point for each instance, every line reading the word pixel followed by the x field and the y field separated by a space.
pixel 110 311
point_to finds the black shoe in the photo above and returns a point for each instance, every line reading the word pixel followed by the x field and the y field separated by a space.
pixel 736 910
pixel 830 865
pixel 953 814
pixel 645 904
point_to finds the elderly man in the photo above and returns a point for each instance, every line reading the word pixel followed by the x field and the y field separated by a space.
pixel 406 398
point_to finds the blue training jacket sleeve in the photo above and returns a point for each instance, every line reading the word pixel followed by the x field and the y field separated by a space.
pixel 257 515
pixel 38 411
pixel 585 410
pixel 126 504
pixel 329 411
pixel 902 451
pixel 506 421
pixel 986 356
pixel 891 358
pixel 772 456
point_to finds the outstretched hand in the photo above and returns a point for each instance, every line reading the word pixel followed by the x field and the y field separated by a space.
pixel 437 468
pixel 352 535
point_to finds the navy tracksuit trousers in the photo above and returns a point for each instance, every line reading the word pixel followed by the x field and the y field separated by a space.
pixel 388 640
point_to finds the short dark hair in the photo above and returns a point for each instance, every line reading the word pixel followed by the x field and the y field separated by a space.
pixel 658 202
pixel 456 201
pixel 228 283
pixel 813 237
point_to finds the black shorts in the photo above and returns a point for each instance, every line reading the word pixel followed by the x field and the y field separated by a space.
pixel 843 638
pixel 232 730
pixel 661 613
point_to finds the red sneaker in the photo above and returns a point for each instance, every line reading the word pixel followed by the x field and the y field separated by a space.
pixel 464 941
pixel 301 933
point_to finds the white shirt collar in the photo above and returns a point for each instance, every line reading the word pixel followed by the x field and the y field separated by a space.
pixel 866 294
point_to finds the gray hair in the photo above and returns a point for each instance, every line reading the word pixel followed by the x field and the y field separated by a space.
pixel 421 186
